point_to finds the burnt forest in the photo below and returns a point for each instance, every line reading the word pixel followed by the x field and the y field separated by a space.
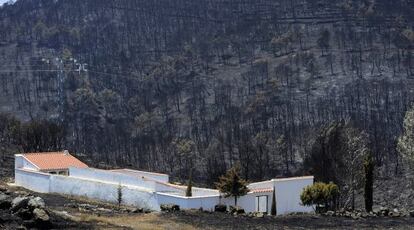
pixel 279 87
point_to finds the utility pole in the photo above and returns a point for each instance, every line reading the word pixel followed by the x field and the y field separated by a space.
pixel 59 63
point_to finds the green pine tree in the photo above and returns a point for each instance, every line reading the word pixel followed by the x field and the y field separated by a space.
pixel 231 184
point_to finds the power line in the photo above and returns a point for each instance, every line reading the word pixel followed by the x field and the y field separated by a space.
pixel 20 66
pixel 71 70
pixel 27 71
pixel 82 68
pixel 34 71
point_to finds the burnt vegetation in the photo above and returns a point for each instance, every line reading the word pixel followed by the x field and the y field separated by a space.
pixel 201 85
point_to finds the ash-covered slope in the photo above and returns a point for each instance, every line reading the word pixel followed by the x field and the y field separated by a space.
pixel 170 85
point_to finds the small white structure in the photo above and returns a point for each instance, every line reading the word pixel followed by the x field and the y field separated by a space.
pixel 60 172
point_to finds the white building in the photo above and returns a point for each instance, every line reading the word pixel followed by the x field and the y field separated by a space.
pixel 60 172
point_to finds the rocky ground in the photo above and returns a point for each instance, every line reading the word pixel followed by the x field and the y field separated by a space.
pixel 223 221
pixel 22 209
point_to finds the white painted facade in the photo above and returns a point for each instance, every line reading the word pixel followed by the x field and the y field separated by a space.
pixel 21 162
pixel 150 190
pixel 287 193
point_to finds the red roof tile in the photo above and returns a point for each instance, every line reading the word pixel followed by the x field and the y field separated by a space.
pixel 54 160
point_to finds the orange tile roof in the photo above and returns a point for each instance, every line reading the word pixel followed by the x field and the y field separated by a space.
pixel 54 160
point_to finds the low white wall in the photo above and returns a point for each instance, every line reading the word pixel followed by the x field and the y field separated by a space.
pixel 171 199
pixel 180 190
pixel 124 179
pixel 163 187
pixel 137 198
pixel 206 203
pixel 111 177
pixel 103 191
pixel 155 176
pixel 81 187
pixel 205 192
pixel 248 202
pixel 287 192
pixel 47 183
pixel 33 180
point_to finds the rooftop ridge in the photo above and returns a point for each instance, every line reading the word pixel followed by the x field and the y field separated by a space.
pixel 37 153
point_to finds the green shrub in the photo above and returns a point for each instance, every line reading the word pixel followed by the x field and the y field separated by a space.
pixel 231 184
pixel 320 194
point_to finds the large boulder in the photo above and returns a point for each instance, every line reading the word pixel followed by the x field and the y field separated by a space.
pixel 19 203
pixel 40 215
pixel 220 208
pixel 169 207
pixel 41 218
pixel 36 202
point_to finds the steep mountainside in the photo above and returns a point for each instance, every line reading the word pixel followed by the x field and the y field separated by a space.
pixel 171 85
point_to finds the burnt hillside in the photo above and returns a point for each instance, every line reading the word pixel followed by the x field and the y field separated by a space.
pixel 170 85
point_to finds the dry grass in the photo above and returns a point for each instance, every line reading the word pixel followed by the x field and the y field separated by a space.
pixel 151 221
